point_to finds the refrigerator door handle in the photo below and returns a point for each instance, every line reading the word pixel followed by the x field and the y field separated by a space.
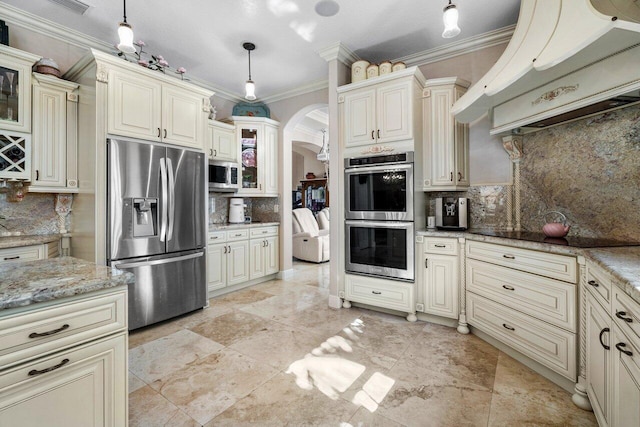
pixel 156 262
pixel 172 198
pixel 163 185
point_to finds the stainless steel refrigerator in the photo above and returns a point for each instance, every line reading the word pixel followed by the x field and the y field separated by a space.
pixel 156 227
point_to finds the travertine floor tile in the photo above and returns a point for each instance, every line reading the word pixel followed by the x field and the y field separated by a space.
pixel 230 328
pixel 163 356
pixel 523 397
pixel 151 333
pixel 319 319
pixel 206 387
pixel 148 408
pixel 364 418
pixel 135 383
pixel 386 334
pixel 196 317
pixel 238 299
pixel 282 306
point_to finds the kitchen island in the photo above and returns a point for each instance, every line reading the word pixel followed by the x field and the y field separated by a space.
pixel 63 343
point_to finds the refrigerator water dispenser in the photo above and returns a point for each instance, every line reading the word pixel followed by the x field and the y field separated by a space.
pixel 145 213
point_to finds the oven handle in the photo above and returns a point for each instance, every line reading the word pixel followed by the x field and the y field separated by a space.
pixel 381 224
pixel 381 168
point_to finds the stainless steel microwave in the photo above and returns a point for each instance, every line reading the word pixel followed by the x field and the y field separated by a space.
pixel 223 176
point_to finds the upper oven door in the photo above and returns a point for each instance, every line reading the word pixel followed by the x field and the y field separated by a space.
pixel 383 193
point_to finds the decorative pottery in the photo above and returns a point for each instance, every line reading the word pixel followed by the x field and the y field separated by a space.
pixel 47 66
pixel 359 71
pixel 555 229
pixel 253 109
pixel 372 71
pixel 384 68
pixel 311 175
pixel 397 66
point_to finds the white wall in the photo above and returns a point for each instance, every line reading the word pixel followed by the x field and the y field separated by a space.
pixel 310 162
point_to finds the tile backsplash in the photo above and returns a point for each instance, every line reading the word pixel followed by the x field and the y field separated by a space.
pixel 260 209
pixel 34 215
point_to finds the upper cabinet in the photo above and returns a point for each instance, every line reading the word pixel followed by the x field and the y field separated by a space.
pixel 55 136
pixel 445 161
pixel 15 89
pixel 144 107
pixel 258 152
pixel 381 111
pixel 221 141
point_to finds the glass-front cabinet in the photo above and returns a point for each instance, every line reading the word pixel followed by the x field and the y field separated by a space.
pixel 258 153
pixel 249 152
pixel 15 89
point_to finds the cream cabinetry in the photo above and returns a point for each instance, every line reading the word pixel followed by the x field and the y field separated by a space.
pixel 15 90
pixel 527 300
pixel 29 253
pixel 439 279
pixel 258 152
pixel 143 107
pixel 612 351
pixel 65 364
pixel 394 295
pixel 382 111
pixel 241 256
pixel 221 141
pixel 446 142
pixel 55 136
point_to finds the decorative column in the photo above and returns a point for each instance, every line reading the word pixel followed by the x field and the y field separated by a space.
pixel 580 398
pixel 463 327
pixel 63 207
pixel 513 146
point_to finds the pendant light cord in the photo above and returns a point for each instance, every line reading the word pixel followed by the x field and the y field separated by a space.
pixel 124 2
pixel 249 64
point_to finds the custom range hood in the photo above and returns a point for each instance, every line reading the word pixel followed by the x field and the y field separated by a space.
pixel 566 59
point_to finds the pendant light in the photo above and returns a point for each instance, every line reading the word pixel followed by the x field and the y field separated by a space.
pixel 250 86
pixel 450 18
pixel 125 32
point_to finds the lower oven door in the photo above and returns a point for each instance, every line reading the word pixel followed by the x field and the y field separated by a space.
pixel 380 248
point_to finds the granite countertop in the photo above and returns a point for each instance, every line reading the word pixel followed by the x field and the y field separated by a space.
pixel 229 226
pixel 623 262
pixel 24 283
pixel 18 241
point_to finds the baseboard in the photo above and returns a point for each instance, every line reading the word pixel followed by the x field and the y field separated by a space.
pixel 285 274
pixel 335 301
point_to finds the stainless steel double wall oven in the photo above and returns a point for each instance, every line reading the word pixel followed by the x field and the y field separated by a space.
pixel 379 216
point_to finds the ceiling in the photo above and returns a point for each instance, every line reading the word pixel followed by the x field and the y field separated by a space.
pixel 206 37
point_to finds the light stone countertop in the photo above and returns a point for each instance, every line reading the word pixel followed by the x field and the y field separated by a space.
pixel 622 262
pixel 19 241
pixel 24 283
pixel 229 226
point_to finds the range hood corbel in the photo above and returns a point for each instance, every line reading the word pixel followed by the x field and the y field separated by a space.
pixel 566 57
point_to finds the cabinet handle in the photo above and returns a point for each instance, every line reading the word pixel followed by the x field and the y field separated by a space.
pixel 372 137
pixel 265 232
pixel 621 314
pixel 426 263
pixel 266 243
pixel 508 256
pixel 440 246
pixel 229 251
pixel 378 133
pixel 37 174
pixel 165 133
pixel 509 288
pixel 213 238
pixel 606 347
pixel 593 283
pixel 619 347
pixel 451 177
pixel 7 258
pixel 459 176
pixel 376 292
pixel 215 153
pixel 46 334
pixel 210 152
pixel 225 250
pixel 238 235
pixel 34 372
pixel 158 132
pixel 508 327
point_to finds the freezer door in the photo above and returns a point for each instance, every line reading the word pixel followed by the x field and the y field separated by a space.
pixel 135 202
pixel 165 286
pixel 187 200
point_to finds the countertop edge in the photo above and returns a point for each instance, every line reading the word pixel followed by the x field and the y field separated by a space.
pixel 27 240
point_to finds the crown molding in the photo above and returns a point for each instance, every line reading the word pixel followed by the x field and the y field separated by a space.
pixel 340 52
pixel 319 116
pixel 300 90
pixel 461 47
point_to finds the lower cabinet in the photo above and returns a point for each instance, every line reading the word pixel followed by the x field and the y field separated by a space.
pixel 598 338
pixel 29 253
pixel 238 256
pixel 625 379
pixel 439 278
pixel 394 295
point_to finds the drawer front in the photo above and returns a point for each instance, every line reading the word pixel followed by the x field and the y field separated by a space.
pixel 368 290
pixel 24 253
pixel 234 235
pixel 626 313
pixel 435 245
pixel 560 267
pixel 599 283
pixel 217 237
pixel 546 299
pixel 263 232
pixel 31 334
pixel 553 347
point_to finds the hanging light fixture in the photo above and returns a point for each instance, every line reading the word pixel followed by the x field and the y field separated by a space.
pixel 125 32
pixel 450 18
pixel 250 86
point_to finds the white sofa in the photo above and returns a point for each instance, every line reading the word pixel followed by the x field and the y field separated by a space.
pixel 323 219
pixel 309 242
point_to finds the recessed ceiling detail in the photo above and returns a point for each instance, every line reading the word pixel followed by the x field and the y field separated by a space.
pixel 327 8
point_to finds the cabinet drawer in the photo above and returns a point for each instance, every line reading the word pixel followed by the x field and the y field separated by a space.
pixel 216 237
pixel 560 267
pixel 263 232
pixel 546 299
pixel 626 313
pixel 435 245
pixel 27 335
pixel 233 235
pixel 368 290
pixel 23 253
pixel 553 347
pixel 599 283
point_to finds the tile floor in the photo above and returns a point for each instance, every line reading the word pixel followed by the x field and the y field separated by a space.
pixel 233 364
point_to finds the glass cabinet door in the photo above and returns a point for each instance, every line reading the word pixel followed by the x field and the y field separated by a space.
pixel 249 154
pixel 9 94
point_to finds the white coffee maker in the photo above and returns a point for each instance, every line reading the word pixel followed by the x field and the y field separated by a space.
pixel 236 210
